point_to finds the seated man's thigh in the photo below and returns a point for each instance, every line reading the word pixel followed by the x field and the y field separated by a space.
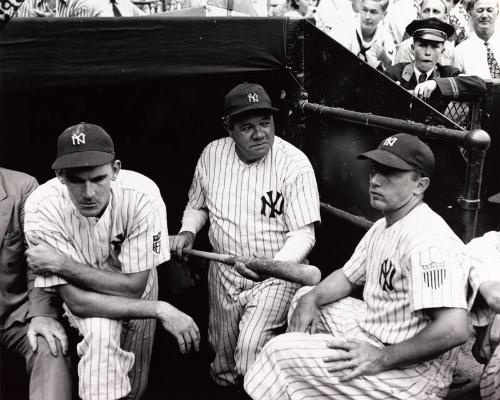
pixel 292 366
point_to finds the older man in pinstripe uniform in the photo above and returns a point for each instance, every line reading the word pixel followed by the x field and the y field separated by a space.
pixel 260 194
pixel 97 234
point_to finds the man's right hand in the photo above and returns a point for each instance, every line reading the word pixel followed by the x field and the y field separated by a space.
pixel 181 326
pixel 51 330
pixel 305 315
pixel 180 242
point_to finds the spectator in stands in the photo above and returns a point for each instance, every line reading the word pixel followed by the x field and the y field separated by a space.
pixel 480 53
pixel 56 8
pixel 117 8
pixel 428 79
pixel 430 9
pixel 367 38
pixel 399 15
pixel 459 18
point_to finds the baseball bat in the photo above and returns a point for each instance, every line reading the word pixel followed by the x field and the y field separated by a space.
pixel 294 272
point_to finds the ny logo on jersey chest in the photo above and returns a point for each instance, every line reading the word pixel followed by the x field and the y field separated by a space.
pixel 273 202
pixel 386 278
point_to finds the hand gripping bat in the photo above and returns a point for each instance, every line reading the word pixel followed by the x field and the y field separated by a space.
pixel 294 272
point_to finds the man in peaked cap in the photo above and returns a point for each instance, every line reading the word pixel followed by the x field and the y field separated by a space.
pixel 428 79
pixel 400 341
pixel 261 197
pixel 96 234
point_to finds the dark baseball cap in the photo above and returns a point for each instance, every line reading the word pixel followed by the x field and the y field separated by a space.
pixel 431 29
pixel 246 97
pixel 403 151
pixel 83 145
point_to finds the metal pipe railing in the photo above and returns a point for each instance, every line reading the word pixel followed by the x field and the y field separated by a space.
pixel 476 141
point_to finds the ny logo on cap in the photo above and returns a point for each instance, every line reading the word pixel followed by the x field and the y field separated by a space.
pixel 390 141
pixel 253 98
pixel 78 138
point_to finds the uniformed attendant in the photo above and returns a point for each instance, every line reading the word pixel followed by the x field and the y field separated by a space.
pixel 424 76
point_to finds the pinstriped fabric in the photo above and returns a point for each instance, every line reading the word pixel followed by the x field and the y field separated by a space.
pixel 251 208
pixel 64 8
pixel 131 236
pixel 415 264
pixel 484 253
pixel 489 384
pixel 291 366
pixel 393 263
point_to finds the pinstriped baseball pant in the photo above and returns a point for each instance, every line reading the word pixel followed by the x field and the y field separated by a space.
pixel 291 365
pixel 114 355
pixel 490 378
pixel 243 316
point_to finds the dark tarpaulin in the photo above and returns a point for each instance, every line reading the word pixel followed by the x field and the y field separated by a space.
pixel 49 52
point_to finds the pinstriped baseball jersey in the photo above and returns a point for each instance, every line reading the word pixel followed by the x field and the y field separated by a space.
pixel 252 206
pixel 416 263
pixel 131 236
pixel 484 260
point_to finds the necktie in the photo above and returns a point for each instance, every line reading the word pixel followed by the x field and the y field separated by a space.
pixel 116 11
pixel 492 62
pixel 422 78
pixel 362 49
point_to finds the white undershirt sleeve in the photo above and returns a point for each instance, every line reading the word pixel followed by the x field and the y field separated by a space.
pixel 193 220
pixel 297 245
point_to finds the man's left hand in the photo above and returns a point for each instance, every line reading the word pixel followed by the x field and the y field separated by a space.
pixel 51 330
pixel 354 357
pixel 425 89
pixel 44 260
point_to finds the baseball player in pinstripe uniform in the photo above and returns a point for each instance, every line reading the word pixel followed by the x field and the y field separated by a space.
pixel 97 234
pixel 398 343
pixel 484 302
pixel 260 194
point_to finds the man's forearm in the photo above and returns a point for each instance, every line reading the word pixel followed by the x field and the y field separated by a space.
pixel 101 281
pixel 334 287
pixel 85 303
pixel 446 331
pixel 193 220
pixel 298 245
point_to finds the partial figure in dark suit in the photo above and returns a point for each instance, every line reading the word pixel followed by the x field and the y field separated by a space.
pixel 430 81
pixel 29 322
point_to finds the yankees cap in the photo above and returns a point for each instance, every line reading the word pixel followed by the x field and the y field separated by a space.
pixel 246 97
pixel 83 145
pixel 403 151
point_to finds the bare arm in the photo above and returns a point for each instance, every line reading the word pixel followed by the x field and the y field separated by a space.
pixel 44 259
pixel 448 329
pixel 86 304
pixel 334 287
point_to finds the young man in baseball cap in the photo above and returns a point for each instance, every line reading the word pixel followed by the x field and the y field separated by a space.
pixel 97 234
pixel 428 79
pixel 400 341
pixel 260 194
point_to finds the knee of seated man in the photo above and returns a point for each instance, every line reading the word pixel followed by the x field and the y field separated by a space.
pixel 44 353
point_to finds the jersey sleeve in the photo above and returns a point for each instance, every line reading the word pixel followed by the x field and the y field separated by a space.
pixel 146 245
pixel 40 225
pixel 302 205
pixel 355 268
pixel 483 257
pixel 195 214
pixel 437 276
